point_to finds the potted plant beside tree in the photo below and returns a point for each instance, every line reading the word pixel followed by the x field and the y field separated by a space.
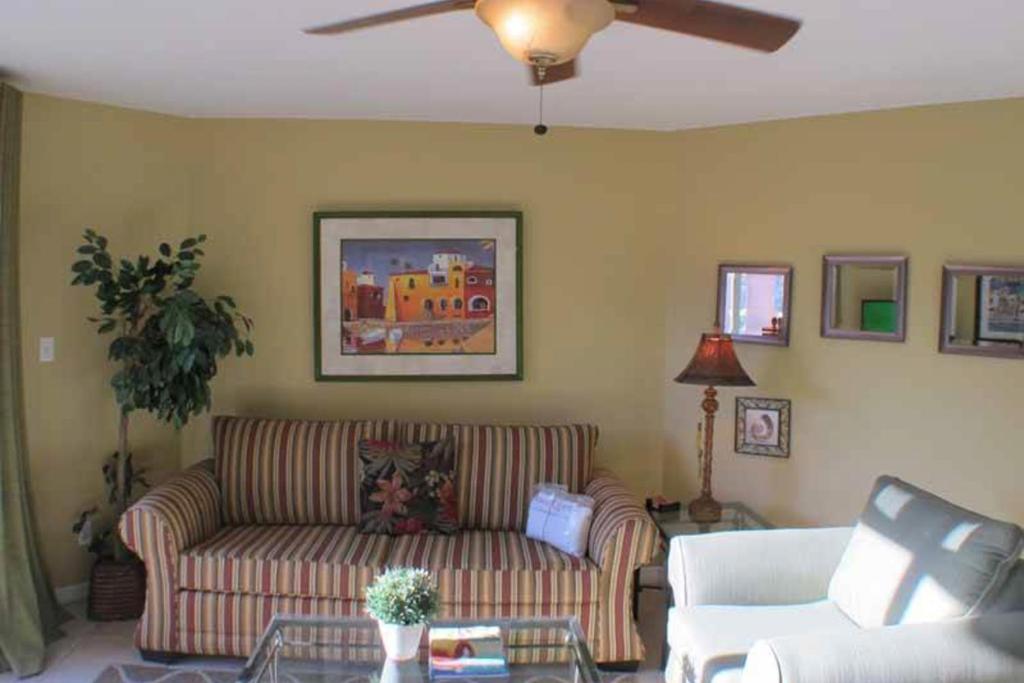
pixel 167 341
pixel 402 601
pixel 117 589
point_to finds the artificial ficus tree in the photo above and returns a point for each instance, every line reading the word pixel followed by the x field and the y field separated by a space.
pixel 167 338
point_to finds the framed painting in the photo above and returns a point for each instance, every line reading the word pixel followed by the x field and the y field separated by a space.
pixel 406 295
pixel 1000 309
pixel 762 426
pixel 982 311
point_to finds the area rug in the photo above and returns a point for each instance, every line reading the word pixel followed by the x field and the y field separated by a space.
pixel 141 673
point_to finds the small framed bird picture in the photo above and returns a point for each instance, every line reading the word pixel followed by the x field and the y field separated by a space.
pixel 762 426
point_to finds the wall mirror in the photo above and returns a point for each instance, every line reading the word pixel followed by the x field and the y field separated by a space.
pixel 753 303
pixel 983 311
pixel 864 297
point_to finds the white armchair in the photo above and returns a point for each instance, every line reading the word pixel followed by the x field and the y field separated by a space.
pixel 755 567
pixel 775 606
pixel 987 648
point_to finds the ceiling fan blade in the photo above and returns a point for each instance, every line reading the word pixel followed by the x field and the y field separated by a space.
pixel 715 21
pixel 414 12
pixel 555 74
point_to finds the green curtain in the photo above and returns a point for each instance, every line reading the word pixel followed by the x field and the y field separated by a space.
pixel 29 615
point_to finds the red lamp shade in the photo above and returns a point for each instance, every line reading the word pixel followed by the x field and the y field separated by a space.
pixel 715 364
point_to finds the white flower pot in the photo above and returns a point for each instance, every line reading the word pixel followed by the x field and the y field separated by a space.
pixel 401 643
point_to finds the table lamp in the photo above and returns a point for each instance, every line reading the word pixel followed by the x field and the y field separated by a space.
pixel 714 364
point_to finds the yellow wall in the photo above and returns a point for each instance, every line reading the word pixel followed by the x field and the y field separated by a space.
pixel 125 174
pixel 595 208
pixel 941 184
pixel 623 235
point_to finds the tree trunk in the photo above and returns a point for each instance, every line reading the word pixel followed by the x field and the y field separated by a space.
pixel 121 504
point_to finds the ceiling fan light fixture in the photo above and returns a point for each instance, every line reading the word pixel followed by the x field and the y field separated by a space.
pixel 545 32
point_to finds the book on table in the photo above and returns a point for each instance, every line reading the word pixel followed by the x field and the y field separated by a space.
pixel 467 652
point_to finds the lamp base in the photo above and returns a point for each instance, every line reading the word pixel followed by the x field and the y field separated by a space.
pixel 705 510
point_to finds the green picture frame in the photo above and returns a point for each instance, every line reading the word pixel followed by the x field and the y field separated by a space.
pixel 366 329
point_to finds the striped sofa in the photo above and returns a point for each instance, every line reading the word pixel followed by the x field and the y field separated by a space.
pixel 270 525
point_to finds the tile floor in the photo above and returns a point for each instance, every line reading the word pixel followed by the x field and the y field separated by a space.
pixel 89 647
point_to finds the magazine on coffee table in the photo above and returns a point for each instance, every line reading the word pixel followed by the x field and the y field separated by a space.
pixel 467 652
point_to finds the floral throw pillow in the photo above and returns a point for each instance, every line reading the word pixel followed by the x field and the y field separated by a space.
pixel 408 488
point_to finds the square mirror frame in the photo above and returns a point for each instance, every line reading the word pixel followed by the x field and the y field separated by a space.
pixel 787 313
pixel 949 274
pixel 830 264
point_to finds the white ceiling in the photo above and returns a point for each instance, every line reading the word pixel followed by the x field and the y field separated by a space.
pixel 249 58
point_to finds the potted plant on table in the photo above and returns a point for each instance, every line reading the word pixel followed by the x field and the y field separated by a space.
pixel 402 601
pixel 167 342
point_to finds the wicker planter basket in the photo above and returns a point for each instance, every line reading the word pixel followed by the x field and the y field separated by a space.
pixel 117 590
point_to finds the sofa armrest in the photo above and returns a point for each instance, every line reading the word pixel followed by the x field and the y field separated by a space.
pixel 765 567
pixel 174 516
pixel 621 530
pixel 985 649
pixel 622 538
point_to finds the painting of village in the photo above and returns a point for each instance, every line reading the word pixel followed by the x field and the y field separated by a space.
pixel 417 296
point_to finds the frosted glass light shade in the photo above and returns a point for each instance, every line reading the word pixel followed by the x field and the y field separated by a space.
pixel 545 32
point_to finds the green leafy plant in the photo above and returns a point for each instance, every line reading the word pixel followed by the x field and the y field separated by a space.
pixel 404 597
pixel 167 338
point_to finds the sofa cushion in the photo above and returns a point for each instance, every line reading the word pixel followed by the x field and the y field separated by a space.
pixel 711 642
pixel 498 466
pixel 560 519
pixel 408 488
pixel 300 561
pixel 498 567
pixel 291 471
pixel 916 558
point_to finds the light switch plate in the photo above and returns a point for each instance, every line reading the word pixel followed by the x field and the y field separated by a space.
pixel 46 349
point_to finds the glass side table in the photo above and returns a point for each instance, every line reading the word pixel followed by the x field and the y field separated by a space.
pixel 735 517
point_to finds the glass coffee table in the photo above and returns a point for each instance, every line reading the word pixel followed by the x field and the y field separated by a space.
pixel 348 649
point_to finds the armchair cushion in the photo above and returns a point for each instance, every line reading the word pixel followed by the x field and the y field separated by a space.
pixel 713 639
pixel 984 649
pixel 296 561
pixel 1011 595
pixel 916 558
pixel 755 567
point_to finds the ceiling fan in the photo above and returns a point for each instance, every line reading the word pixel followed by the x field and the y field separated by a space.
pixel 548 35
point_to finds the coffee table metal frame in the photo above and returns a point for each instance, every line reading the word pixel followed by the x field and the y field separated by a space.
pixel 262 666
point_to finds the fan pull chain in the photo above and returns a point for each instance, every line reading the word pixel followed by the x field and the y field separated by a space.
pixel 540 128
